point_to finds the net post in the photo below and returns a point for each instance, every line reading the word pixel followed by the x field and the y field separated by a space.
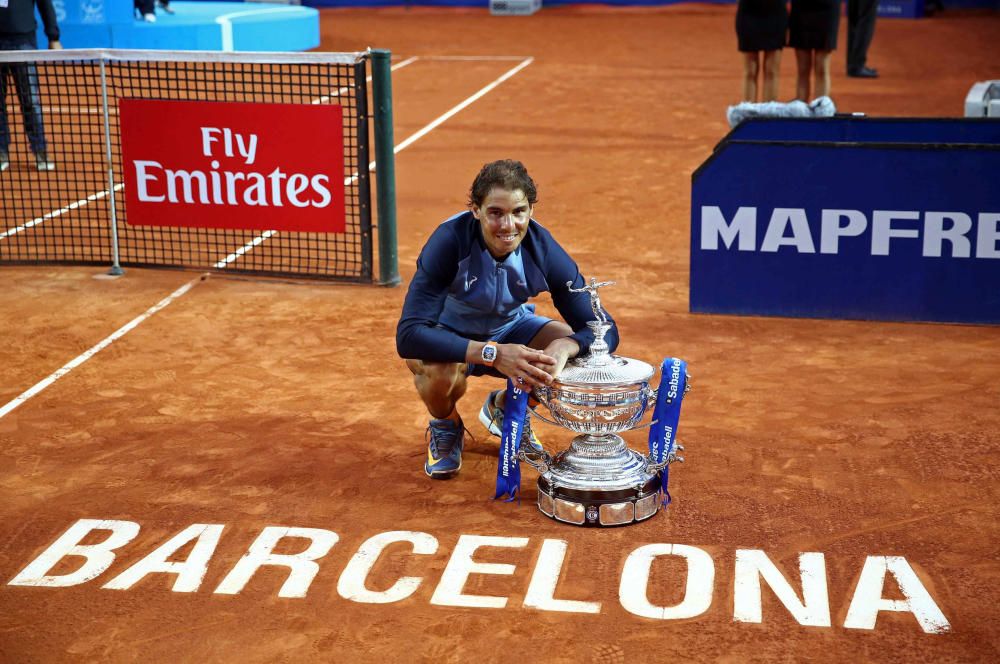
pixel 364 193
pixel 385 167
pixel 116 268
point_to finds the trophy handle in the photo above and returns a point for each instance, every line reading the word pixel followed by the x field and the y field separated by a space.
pixel 541 464
pixel 543 393
pixel 651 466
pixel 535 413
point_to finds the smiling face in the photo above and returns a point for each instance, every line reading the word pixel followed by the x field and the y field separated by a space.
pixel 503 217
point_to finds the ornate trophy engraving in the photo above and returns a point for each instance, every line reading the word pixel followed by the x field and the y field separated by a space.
pixel 599 481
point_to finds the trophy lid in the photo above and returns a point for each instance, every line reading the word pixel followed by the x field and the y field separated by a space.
pixel 613 370
pixel 599 366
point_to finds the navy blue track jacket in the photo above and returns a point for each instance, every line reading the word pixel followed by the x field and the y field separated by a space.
pixel 460 292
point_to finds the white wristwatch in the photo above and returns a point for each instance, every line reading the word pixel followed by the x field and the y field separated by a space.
pixel 490 353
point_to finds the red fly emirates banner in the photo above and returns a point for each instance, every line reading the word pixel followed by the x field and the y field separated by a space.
pixel 233 165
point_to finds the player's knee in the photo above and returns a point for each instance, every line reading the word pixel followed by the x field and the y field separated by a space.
pixel 561 329
pixel 438 378
pixel 554 329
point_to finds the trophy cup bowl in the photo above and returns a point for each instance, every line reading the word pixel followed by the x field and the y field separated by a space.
pixel 598 480
pixel 601 408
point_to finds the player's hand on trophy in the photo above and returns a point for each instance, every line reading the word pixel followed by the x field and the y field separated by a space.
pixel 524 365
pixel 561 350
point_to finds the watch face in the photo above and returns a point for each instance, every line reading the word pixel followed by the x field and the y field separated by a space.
pixel 489 353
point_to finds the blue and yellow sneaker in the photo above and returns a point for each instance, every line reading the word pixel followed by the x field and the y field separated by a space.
pixel 444 451
pixel 491 416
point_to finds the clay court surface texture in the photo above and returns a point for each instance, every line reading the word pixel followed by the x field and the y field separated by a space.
pixel 244 408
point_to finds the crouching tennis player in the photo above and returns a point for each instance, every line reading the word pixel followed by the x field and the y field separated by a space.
pixel 466 311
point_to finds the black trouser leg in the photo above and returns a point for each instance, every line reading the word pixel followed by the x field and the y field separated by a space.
pixel 4 129
pixel 29 94
pixel 860 30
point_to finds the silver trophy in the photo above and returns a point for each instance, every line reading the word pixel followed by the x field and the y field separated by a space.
pixel 599 481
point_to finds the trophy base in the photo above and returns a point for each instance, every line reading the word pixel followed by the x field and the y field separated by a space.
pixel 594 507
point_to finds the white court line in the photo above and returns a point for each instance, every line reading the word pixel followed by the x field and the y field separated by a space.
pixel 399 148
pixel 242 250
pixel 83 357
pixel 436 123
pixel 400 65
pixel 473 58
pixel 55 213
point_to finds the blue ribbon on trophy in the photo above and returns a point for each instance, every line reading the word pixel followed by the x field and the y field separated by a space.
pixel 509 468
pixel 666 415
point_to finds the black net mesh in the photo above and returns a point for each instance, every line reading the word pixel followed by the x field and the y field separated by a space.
pixel 64 215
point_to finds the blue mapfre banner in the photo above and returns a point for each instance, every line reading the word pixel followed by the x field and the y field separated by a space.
pixel 848 230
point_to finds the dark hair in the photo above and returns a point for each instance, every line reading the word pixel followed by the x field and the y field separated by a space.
pixel 507 174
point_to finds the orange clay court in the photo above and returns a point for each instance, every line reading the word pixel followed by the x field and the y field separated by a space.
pixel 246 406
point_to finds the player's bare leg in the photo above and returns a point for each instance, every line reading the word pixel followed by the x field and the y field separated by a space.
pixel 440 386
pixel 772 68
pixel 554 329
pixel 751 66
pixel 821 73
pixel 803 69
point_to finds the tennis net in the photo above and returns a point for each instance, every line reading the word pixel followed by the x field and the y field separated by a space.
pixel 63 112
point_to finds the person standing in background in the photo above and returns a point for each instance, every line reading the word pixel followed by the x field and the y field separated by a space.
pixel 812 32
pixel 17 33
pixel 145 9
pixel 760 29
pixel 860 30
